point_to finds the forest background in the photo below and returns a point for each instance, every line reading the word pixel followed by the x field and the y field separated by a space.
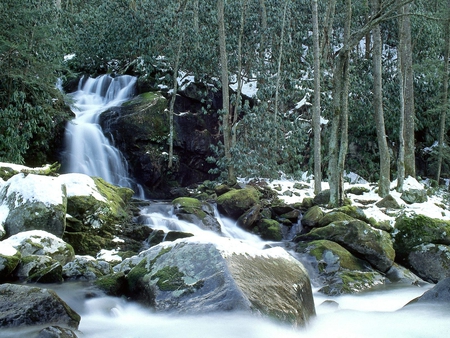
pixel 337 85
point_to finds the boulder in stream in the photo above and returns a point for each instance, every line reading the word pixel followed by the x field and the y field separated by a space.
pixel 25 305
pixel 191 277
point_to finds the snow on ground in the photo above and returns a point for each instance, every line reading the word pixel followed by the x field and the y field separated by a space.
pixel 432 208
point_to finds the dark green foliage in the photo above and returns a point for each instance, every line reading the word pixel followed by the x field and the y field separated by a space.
pixel 30 58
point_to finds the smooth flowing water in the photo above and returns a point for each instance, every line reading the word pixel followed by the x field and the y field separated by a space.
pixel 88 151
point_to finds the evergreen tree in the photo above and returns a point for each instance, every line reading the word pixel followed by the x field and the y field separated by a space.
pixel 31 56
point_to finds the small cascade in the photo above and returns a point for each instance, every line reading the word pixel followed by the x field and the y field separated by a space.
pixel 88 151
pixel 159 216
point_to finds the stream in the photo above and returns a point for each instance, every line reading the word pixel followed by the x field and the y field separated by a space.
pixel 375 313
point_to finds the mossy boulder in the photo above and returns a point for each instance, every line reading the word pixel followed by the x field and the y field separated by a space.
pixel 56 331
pixel 269 229
pixel 430 261
pixel 86 268
pixel 351 282
pixel 39 269
pixel 388 202
pixel 359 238
pixel 38 242
pixel 412 230
pixel 9 259
pixel 357 190
pixel 98 213
pixel 399 274
pixel 193 277
pixel 336 270
pixel 33 202
pixel 322 198
pixel 354 212
pixel 312 217
pixel 235 202
pixel 113 284
pixel 250 218
pixel 411 196
pixel 334 216
pixel 198 212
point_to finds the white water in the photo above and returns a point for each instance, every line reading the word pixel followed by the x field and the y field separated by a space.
pixel 88 151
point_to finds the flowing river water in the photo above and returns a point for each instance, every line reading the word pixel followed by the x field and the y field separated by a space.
pixel 375 313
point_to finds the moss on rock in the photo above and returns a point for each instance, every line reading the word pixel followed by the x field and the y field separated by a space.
pixel 413 230
pixel 270 230
pixel 235 202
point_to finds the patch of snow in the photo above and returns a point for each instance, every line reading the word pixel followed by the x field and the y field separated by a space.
pixel 7 249
pixel 81 185
pixel 4 212
pixel 36 236
pixel 34 188
pixel 109 255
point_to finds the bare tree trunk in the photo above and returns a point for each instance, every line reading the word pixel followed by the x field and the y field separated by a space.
pixel 339 132
pixel 175 84
pixel 410 160
pixel 280 59
pixel 316 103
pixel 401 141
pixel 445 103
pixel 328 29
pixel 237 104
pixel 385 172
pixel 262 47
pixel 225 91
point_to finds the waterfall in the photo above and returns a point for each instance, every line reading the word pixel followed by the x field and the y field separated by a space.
pixel 88 151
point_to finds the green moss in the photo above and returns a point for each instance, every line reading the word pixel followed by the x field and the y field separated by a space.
pixel 170 278
pixel 334 216
pixel 354 212
pixel 113 285
pixel 236 202
pixel 419 229
pixel 269 229
pixel 136 274
pixel 189 205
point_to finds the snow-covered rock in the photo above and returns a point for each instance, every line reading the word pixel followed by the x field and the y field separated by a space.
pixel 86 268
pixel 9 259
pixel 29 202
pixel 38 242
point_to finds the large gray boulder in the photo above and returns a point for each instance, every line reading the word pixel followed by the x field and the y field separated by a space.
pixel 430 261
pixel 359 238
pixel 335 270
pixel 440 293
pixel 24 305
pixel 30 202
pixel 192 277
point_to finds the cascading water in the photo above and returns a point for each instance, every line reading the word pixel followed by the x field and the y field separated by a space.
pixel 88 151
